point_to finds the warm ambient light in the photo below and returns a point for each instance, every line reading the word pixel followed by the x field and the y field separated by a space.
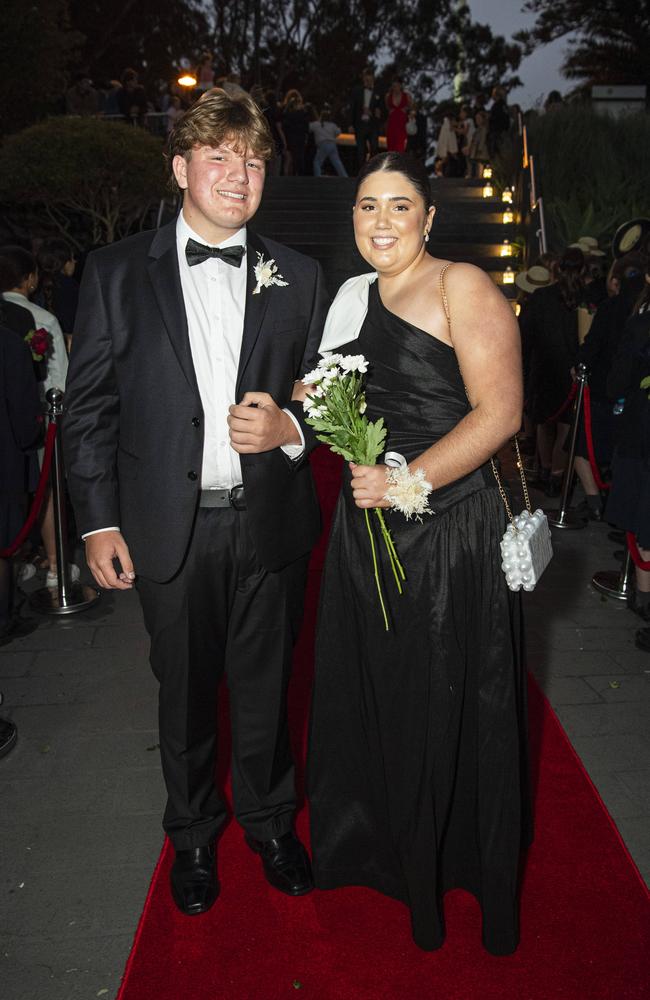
pixel 487 172
pixel 508 276
pixel 187 80
pixel 488 191
pixel 517 308
pixel 506 249
pixel 507 196
pixel 508 217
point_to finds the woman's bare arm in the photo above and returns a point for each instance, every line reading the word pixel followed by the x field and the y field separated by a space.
pixel 486 339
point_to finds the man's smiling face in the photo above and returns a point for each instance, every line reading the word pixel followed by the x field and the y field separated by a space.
pixel 222 188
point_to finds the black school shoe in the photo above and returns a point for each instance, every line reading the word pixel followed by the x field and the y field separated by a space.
pixel 285 862
pixel 193 879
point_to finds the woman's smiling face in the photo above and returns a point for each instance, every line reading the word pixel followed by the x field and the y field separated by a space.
pixel 390 220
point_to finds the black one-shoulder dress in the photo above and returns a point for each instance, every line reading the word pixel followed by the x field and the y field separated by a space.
pixel 417 771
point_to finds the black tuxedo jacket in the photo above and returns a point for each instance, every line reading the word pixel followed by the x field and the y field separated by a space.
pixel 356 106
pixel 133 432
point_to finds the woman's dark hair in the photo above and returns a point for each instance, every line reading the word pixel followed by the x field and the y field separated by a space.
pixel 399 163
pixel 570 274
pixel 53 255
pixel 16 264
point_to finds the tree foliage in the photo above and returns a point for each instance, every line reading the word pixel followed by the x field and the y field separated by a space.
pixel 37 46
pixel 321 46
pixel 107 174
pixel 589 193
pixel 609 40
pixel 148 35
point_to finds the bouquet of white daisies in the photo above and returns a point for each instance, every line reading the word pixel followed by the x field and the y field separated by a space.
pixel 336 408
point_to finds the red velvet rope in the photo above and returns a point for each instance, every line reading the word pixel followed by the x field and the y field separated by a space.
pixel 590 441
pixel 38 496
pixel 634 552
pixel 565 405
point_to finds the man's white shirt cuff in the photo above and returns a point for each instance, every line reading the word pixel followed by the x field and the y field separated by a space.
pixel 97 532
pixel 294 451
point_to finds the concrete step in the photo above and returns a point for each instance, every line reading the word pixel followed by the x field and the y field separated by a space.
pixel 335 244
pixel 487 210
pixel 286 230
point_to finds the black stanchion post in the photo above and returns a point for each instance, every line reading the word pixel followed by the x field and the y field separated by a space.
pixel 68 597
pixel 563 518
pixel 613 583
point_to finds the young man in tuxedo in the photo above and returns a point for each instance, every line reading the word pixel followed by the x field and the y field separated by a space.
pixel 366 111
pixel 186 464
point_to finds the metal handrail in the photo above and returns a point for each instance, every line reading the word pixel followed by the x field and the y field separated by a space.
pixel 536 200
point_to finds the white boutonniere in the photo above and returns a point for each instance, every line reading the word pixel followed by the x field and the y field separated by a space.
pixel 266 274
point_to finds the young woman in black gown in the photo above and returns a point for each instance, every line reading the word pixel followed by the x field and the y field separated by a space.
pixel 417 773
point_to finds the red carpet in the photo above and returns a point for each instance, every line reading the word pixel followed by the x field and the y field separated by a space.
pixel 584 907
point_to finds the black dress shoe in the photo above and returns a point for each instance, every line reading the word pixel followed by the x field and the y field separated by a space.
pixel 286 863
pixel 194 882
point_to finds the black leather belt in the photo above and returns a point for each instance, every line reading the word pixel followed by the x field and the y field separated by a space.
pixel 224 498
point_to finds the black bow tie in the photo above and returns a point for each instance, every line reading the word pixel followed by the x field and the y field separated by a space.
pixel 196 253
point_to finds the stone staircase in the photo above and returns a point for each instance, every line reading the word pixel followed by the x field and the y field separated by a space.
pixel 314 215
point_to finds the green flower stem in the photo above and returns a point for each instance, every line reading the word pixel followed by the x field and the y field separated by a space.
pixel 376 568
pixel 395 564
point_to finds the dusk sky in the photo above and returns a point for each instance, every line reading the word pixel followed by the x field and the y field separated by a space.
pixel 539 72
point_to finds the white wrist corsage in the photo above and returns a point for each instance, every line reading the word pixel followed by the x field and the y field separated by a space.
pixel 266 274
pixel 408 491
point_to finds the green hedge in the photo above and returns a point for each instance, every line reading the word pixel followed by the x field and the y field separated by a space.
pixel 106 177
pixel 592 171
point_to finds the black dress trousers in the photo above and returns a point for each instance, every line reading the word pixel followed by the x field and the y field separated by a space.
pixel 224 611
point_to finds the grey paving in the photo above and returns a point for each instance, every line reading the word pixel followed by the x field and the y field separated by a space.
pixel 82 793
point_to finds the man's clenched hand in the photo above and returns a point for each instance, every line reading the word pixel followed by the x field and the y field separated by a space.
pixel 258 424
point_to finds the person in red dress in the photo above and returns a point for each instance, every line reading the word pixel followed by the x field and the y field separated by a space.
pixel 397 102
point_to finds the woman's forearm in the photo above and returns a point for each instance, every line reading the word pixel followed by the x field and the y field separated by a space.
pixel 467 446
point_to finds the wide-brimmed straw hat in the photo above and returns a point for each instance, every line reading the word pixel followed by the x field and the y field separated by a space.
pixel 589 246
pixel 532 279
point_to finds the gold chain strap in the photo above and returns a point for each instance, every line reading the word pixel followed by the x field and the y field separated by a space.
pixel 520 464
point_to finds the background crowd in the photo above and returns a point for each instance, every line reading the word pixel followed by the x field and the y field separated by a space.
pixel 372 115
pixel 578 307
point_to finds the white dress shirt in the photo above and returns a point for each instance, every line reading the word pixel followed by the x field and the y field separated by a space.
pixel 57 362
pixel 214 293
